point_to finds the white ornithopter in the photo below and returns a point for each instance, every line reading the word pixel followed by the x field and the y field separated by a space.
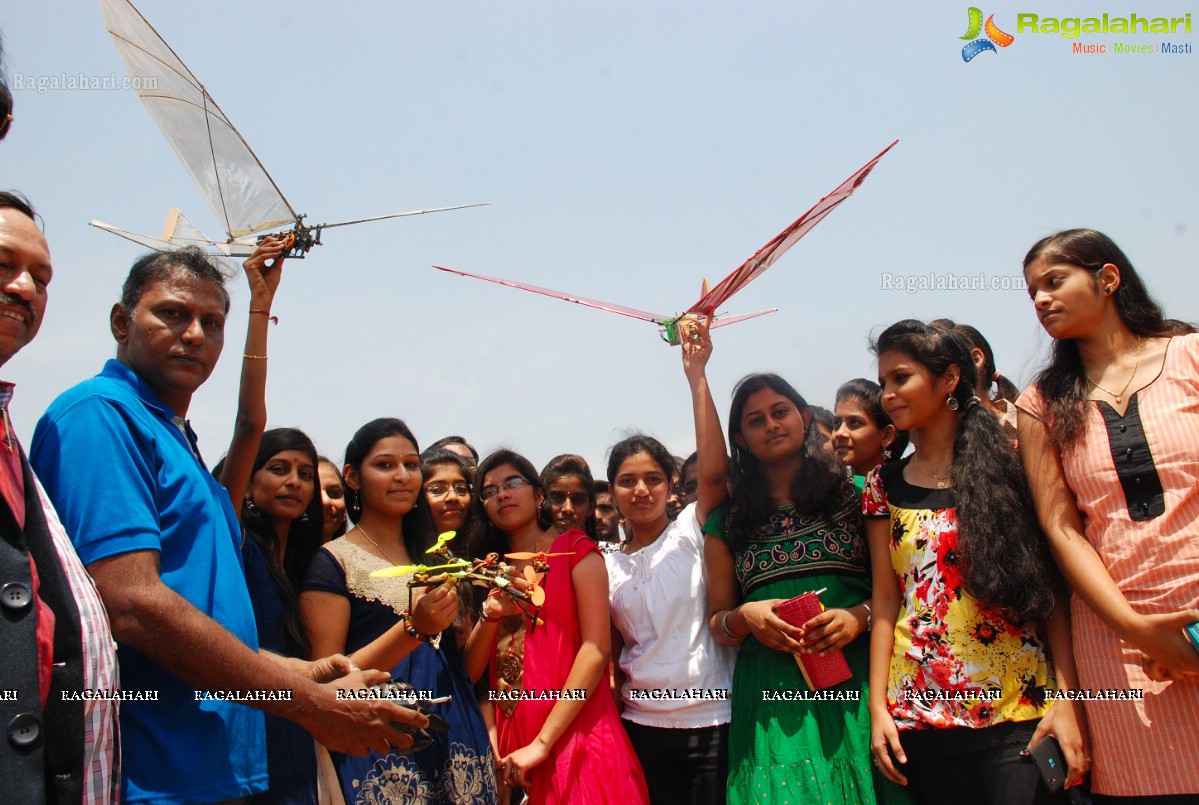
pixel 712 299
pixel 237 188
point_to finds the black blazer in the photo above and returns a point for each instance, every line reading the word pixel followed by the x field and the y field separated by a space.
pixel 41 751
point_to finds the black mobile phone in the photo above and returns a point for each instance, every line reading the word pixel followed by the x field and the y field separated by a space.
pixel 1047 754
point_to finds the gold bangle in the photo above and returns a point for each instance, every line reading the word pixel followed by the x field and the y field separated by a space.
pixel 250 357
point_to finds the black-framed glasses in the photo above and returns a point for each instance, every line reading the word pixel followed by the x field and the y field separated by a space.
pixel 461 489
pixel 511 484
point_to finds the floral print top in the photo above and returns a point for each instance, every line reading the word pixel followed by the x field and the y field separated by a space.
pixel 957 662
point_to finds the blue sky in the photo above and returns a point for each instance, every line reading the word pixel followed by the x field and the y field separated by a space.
pixel 630 150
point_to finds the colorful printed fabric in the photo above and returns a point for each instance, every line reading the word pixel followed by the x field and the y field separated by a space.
pixel 957 662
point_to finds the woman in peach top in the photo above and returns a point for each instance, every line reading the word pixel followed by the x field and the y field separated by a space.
pixel 1110 449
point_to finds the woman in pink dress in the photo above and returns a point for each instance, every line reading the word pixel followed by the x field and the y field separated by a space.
pixel 559 737
pixel 1110 449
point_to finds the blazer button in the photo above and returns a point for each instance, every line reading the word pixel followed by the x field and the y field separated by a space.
pixel 24 729
pixel 16 596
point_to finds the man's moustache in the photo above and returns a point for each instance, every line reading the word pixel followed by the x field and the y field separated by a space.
pixel 6 299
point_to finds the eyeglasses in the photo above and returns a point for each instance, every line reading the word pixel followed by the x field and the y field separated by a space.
pixel 578 500
pixel 511 484
pixel 462 490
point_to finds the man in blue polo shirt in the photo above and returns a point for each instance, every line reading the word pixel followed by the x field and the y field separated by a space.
pixel 160 537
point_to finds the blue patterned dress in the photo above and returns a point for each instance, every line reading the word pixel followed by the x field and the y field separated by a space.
pixel 459 767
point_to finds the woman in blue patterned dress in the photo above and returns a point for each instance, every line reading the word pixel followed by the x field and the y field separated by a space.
pixel 346 610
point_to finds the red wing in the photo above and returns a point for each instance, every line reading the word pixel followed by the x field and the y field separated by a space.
pixel 578 300
pixel 723 320
pixel 765 257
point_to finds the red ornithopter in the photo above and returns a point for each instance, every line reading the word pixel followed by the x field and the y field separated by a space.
pixel 713 298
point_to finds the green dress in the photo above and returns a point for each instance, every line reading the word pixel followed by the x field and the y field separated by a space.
pixel 802 751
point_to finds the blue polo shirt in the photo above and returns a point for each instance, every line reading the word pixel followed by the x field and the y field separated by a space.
pixel 125 476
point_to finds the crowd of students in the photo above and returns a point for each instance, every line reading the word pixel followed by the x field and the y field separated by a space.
pixel 945 590
pixel 982 558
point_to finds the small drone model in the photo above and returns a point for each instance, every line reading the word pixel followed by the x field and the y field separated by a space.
pixel 523 588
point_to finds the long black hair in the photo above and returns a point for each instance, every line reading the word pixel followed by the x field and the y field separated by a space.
pixel 1063 384
pixel 485 537
pixel 818 486
pixel 1004 389
pixel 418 527
pixel 303 535
pixel 1004 556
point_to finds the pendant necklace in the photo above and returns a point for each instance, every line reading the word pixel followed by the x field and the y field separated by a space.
pixel 1119 397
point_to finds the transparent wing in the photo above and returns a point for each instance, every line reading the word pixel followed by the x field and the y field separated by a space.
pixel 772 251
pixel 578 300
pixel 179 232
pixel 721 321
pixel 157 244
pixel 232 180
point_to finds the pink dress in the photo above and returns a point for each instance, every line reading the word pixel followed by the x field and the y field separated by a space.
pixel 1149 540
pixel 593 761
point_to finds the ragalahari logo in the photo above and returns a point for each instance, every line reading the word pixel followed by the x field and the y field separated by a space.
pixel 993 37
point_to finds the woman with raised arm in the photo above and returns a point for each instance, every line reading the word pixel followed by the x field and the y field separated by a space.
pixel 270 481
pixel 559 737
pixel 790 523
pixel 660 637
pixel 386 624
pixel 1110 441
pixel 965 623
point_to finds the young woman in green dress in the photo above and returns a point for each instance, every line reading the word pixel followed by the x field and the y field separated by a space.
pixel 789 522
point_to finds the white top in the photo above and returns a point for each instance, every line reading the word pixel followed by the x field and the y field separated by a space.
pixel 676 675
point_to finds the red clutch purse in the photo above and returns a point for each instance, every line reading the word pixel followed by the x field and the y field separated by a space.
pixel 819 672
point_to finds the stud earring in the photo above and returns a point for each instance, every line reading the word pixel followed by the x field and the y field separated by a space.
pixel 951 402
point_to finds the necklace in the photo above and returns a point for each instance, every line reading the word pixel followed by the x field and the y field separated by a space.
pixel 1119 397
pixel 378 547
pixel 942 480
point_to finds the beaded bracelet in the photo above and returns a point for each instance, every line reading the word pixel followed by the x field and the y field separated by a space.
pixel 412 631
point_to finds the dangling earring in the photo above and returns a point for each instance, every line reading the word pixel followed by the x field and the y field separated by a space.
pixel 886 454
pixel 951 402
pixel 249 503
pixel 355 506
pixel 304 517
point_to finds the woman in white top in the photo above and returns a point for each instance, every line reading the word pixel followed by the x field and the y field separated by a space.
pixel 674 678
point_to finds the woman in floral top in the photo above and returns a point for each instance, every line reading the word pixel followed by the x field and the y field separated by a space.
pixel 960 678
